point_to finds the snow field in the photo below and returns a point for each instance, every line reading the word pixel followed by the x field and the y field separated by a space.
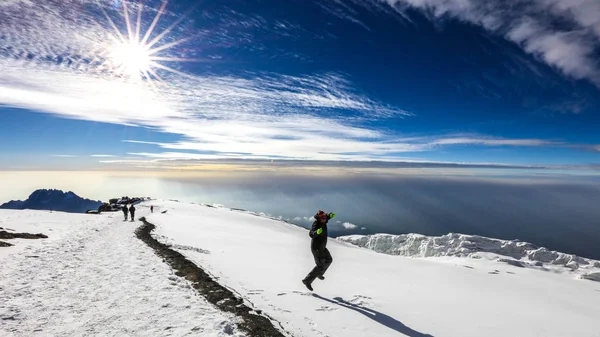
pixel 370 294
pixel 96 278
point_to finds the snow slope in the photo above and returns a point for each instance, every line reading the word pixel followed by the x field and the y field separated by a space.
pixel 93 277
pixel 515 252
pixel 54 224
pixel 370 294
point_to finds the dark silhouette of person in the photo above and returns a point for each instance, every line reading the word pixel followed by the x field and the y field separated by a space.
pixel 151 209
pixel 318 247
pixel 132 211
pixel 125 211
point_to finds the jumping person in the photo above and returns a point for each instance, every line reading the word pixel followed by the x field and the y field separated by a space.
pixel 318 244
pixel 132 211
pixel 125 211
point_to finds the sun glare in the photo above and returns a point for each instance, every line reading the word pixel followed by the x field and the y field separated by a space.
pixel 136 55
pixel 130 58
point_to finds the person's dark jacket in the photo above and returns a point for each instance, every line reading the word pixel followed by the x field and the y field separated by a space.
pixel 318 233
pixel 125 209
pixel 131 209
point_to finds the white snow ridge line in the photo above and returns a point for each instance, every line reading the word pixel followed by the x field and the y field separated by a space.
pixel 514 252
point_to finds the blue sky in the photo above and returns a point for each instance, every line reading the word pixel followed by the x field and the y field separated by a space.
pixel 508 82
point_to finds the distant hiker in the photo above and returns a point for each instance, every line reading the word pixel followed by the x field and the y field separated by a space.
pixel 132 211
pixel 125 211
pixel 151 209
pixel 318 244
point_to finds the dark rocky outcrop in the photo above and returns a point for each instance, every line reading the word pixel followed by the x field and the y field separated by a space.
pixel 7 235
pixel 54 200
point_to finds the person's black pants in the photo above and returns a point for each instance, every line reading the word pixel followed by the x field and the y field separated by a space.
pixel 323 260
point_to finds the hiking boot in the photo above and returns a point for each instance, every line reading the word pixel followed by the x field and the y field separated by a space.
pixel 307 284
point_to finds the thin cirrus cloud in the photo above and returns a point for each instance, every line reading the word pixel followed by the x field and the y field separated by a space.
pixel 491 141
pixel 466 140
pixel 259 116
pixel 315 150
pixel 315 116
pixel 64 156
pixel 564 34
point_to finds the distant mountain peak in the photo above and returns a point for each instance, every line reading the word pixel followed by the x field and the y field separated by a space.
pixel 54 200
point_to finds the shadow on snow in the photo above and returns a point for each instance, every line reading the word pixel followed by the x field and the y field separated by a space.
pixel 378 317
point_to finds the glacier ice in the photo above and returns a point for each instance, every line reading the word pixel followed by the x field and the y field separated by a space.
pixel 521 254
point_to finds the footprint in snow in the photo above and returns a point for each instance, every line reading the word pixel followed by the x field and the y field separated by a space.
pixel 302 293
pixel 357 300
pixel 326 308
pixel 190 248
pixel 279 309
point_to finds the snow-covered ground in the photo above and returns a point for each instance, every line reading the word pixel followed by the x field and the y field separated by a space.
pixel 93 277
pixel 53 224
pixel 370 294
pixel 515 252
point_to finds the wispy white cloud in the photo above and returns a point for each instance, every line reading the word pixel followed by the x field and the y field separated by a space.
pixel 479 140
pixel 564 34
pixel 595 148
pixel 288 116
pixel 259 115
pixel 195 161
pixel 341 9
pixel 135 162
pixel 102 155
pixel 312 150
pixel 489 141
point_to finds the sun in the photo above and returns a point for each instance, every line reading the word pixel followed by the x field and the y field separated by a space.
pixel 131 58
pixel 139 57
